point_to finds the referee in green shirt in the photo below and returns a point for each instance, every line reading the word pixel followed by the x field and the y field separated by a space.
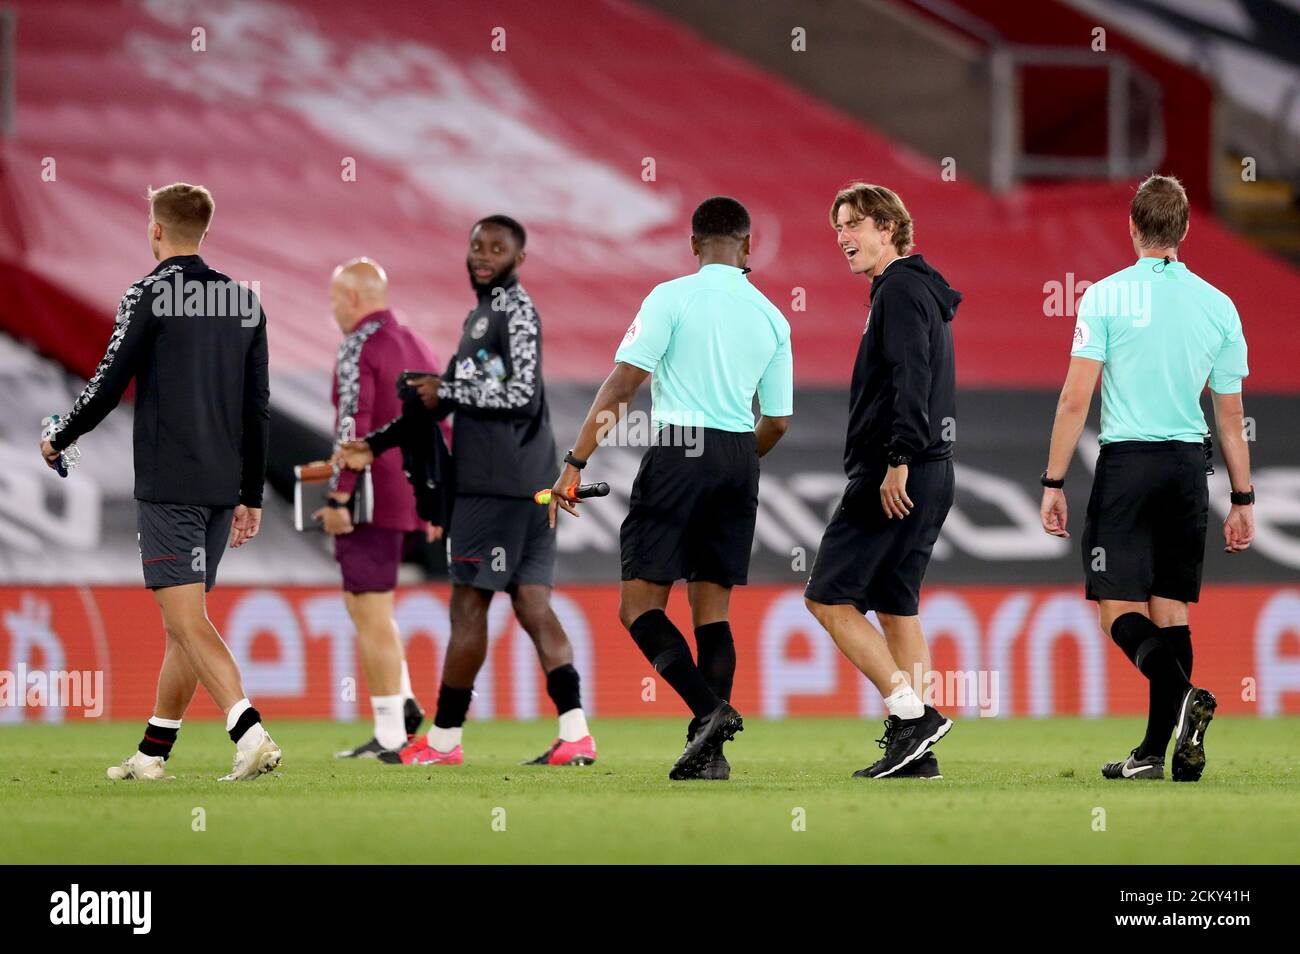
pixel 1155 333
pixel 712 341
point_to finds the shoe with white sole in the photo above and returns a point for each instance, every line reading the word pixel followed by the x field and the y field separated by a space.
pixel 1151 767
pixel 149 768
pixel 907 740
pixel 251 763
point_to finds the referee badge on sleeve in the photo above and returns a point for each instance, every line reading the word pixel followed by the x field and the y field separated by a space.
pixel 633 331
pixel 1081 335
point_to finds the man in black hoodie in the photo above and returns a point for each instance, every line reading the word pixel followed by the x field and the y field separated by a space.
pixel 898 458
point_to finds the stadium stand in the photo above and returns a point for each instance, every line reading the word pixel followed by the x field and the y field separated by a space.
pixel 344 135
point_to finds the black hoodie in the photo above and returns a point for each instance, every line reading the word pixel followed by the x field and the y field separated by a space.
pixel 903 396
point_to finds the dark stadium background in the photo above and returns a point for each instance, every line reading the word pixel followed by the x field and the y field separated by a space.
pixel 600 130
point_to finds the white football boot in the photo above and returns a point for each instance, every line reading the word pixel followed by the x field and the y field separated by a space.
pixel 251 763
pixel 140 766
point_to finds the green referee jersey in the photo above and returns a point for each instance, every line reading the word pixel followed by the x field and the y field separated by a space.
pixel 712 340
pixel 1162 332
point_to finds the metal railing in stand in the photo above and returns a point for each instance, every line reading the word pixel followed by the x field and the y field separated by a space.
pixel 1129 92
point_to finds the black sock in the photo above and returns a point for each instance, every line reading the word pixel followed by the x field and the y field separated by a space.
pixel 1180 638
pixel 663 644
pixel 1156 658
pixel 1130 631
pixel 158 740
pixel 717 654
pixel 717 660
pixel 453 704
pixel 250 718
pixel 563 685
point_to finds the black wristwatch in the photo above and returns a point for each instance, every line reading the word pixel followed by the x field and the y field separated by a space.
pixel 1242 498
pixel 1049 482
pixel 898 460
pixel 335 504
pixel 577 462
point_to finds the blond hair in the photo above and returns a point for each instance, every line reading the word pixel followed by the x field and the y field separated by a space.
pixel 882 205
pixel 184 210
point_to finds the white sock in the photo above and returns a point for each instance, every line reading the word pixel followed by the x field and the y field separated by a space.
pixel 573 725
pixel 390 729
pixel 253 736
pixel 162 723
pixel 444 740
pixel 905 703
pixel 238 709
pixel 405 688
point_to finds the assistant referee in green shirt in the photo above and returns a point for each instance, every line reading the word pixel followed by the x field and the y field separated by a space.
pixel 1155 333
pixel 712 341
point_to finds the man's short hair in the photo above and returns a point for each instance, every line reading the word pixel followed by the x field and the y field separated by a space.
pixel 184 210
pixel 882 205
pixel 1160 212
pixel 506 222
pixel 720 217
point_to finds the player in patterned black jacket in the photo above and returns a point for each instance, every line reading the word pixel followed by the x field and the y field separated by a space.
pixel 194 341
pixel 500 539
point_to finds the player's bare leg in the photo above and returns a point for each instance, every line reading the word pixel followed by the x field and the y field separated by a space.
pixel 862 644
pixel 397 716
pixel 912 726
pixel 186 620
pixel 715 652
pixel 641 610
pixel 907 646
pixel 177 683
pixel 573 744
pixel 1155 638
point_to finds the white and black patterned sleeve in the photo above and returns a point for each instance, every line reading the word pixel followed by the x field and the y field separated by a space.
pixel 133 330
pixel 516 390
pixel 355 397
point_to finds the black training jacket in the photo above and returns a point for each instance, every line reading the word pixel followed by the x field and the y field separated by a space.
pixel 195 343
pixel 501 435
pixel 903 395
pixel 426 460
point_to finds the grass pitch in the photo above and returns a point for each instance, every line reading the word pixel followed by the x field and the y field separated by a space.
pixel 1015 791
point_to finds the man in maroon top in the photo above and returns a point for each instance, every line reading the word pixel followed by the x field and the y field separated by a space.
pixel 375 350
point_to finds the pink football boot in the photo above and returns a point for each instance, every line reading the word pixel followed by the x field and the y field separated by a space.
pixel 582 752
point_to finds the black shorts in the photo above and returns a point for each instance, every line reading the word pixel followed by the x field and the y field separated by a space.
pixel 692 509
pixel 498 543
pixel 181 543
pixel 875 563
pixel 1145 531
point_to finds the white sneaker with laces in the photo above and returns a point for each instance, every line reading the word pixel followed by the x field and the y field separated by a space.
pixel 140 766
pixel 254 762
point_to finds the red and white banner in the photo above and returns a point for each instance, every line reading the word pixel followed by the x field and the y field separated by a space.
pixel 93 652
